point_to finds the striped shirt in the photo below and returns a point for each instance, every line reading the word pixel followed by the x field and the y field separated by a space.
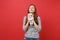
pixel 32 32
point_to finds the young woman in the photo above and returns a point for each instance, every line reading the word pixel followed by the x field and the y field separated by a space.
pixel 31 31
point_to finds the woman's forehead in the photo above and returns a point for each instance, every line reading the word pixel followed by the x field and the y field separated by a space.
pixel 32 6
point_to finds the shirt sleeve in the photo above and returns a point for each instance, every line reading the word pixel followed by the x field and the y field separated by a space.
pixel 39 24
pixel 24 20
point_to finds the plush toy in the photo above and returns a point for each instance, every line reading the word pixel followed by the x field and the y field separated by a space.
pixel 30 18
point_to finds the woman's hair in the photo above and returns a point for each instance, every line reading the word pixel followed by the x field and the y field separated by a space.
pixel 35 15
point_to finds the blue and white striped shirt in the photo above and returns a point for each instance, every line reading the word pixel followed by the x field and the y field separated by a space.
pixel 32 32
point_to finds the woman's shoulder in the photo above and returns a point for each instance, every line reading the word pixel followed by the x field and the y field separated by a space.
pixel 38 17
pixel 24 16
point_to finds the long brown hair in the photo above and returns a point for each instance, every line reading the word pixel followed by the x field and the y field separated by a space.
pixel 35 15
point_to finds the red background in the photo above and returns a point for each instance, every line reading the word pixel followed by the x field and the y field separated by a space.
pixel 13 11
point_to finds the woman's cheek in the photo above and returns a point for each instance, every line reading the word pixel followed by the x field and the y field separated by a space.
pixel 33 10
pixel 29 10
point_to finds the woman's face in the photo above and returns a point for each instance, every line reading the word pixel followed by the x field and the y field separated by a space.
pixel 31 9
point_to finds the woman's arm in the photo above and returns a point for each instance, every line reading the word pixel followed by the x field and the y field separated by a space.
pixel 25 26
pixel 35 25
pixel 38 27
